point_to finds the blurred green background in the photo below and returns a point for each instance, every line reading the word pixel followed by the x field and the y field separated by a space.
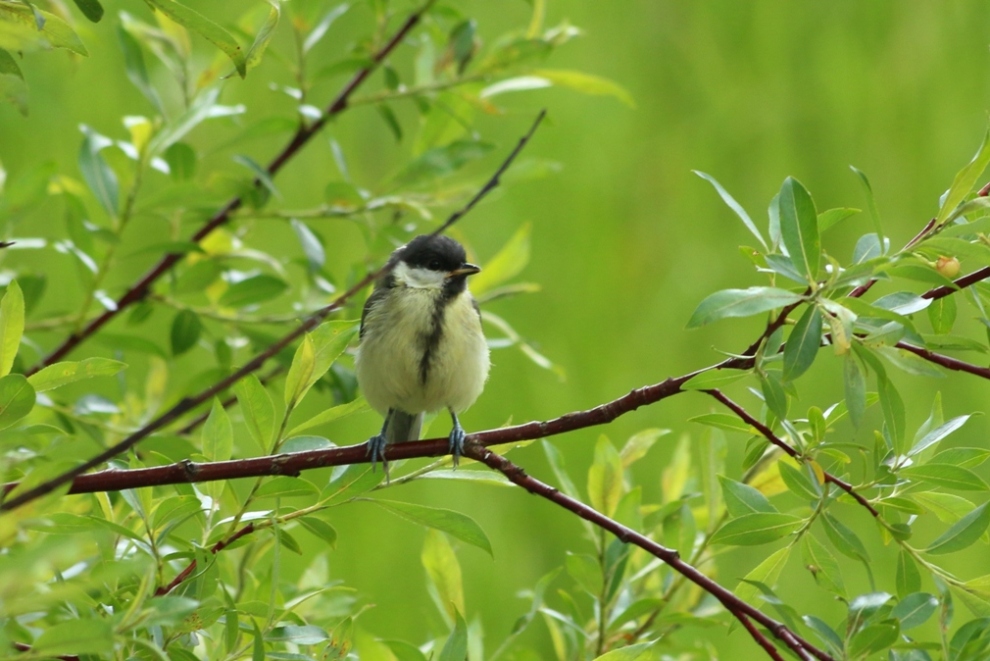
pixel 626 240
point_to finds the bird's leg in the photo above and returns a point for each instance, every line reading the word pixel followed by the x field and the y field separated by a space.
pixel 456 438
pixel 376 446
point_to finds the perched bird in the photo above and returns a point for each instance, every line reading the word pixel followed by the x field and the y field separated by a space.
pixel 422 348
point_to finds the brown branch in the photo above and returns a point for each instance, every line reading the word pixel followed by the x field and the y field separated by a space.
pixel 191 567
pixel 302 136
pixel 191 426
pixel 758 636
pixel 961 283
pixel 946 361
pixel 768 433
pixel 190 403
pixel 738 608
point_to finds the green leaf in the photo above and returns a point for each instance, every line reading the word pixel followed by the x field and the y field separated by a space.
pixel 283 486
pixel 822 565
pixel 330 415
pixel 948 507
pixel 218 435
pixel 21 32
pixel 844 539
pixel 915 609
pixel 16 399
pixel 316 255
pixel 60 374
pixel 873 638
pixel 253 290
pixel 936 435
pixel 802 344
pixel 454 523
pixel 964 533
pixel 767 572
pixel 797 481
pixel 186 328
pixel 944 475
pixel 757 528
pixel 92 636
pixel 258 409
pixel 605 477
pixel 320 528
pixel 91 9
pixel 11 326
pixel 444 570
pixel 261 174
pixel 774 393
pixel 507 262
pixel 854 382
pixel 586 84
pixel 263 38
pixel 181 159
pixel 135 67
pixel 442 161
pixel 586 570
pixel 637 652
pixel 964 181
pixel 871 205
pixel 639 444
pixel 799 227
pixel 206 28
pixel 740 303
pixel 893 409
pixel 456 647
pixel 711 379
pixel 314 356
pixel 98 175
pixel 832 217
pixel 735 206
pixel 942 315
pixel 742 499
pixel 724 421
pixel 907 577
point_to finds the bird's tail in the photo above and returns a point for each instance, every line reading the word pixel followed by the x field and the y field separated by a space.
pixel 403 427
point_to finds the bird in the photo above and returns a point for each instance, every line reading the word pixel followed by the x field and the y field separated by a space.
pixel 421 346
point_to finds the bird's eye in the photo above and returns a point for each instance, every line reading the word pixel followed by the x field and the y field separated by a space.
pixel 435 265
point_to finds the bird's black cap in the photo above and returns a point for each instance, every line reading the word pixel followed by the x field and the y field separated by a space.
pixel 436 253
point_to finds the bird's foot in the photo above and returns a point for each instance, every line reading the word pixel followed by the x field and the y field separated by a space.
pixel 456 443
pixel 376 452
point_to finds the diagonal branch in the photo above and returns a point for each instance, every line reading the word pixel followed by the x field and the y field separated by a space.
pixel 738 608
pixel 768 433
pixel 302 136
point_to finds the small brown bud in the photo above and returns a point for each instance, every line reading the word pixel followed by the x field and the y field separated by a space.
pixel 947 266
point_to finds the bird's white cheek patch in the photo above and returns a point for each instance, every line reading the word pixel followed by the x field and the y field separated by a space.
pixel 419 278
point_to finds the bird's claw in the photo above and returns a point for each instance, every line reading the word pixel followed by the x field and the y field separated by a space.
pixel 456 443
pixel 376 452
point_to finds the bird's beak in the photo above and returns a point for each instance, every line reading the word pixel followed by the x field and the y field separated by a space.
pixel 465 270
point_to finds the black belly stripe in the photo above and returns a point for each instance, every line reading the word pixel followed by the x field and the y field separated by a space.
pixel 431 339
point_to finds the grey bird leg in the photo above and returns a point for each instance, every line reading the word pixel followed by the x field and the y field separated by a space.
pixel 456 438
pixel 376 446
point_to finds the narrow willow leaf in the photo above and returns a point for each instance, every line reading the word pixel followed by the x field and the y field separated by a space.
pixel 802 344
pixel 799 227
pixel 825 633
pixel 797 481
pixel 740 303
pixel 948 507
pixel 936 435
pixel 312 247
pixel 258 409
pixel 453 523
pixel 964 533
pixel 874 638
pixel 586 83
pixel 757 528
pixel 942 315
pixel 507 263
pixel 300 372
pixel 871 203
pixel 136 70
pixel 832 217
pixel 639 444
pixel 60 374
pixel 767 572
pixel 330 415
pixel 263 38
pixel 844 539
pixel 605 477
pixel 218 435
pixel 774 394
pixel 822 565
pixel 442 161
pixel 82 636
pixel 186 328
pixel 444 570
pixel 893 409
pixel 735 206
pixel 723 421
pixel 964 181
pixel 944 475
pixel 206 28
pixel 253 290
pixel 325 344
pixel 586 571
pixel 711 379
pixel 16 399
pixel 855 389
pixel 456 647
pixel 286 487
pixel 23 34
pixel 11 326
pixel 741 499
pixel 915 609
pixel 908 578
pixel 101 179
pixel 637 652
pixel 91 9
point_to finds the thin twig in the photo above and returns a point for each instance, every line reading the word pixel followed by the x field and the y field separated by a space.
pixel 768 433
pixel 189 403
pixel 732 603
pixel 302 136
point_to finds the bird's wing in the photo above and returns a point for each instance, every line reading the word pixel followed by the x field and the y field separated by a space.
pixel 373 300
